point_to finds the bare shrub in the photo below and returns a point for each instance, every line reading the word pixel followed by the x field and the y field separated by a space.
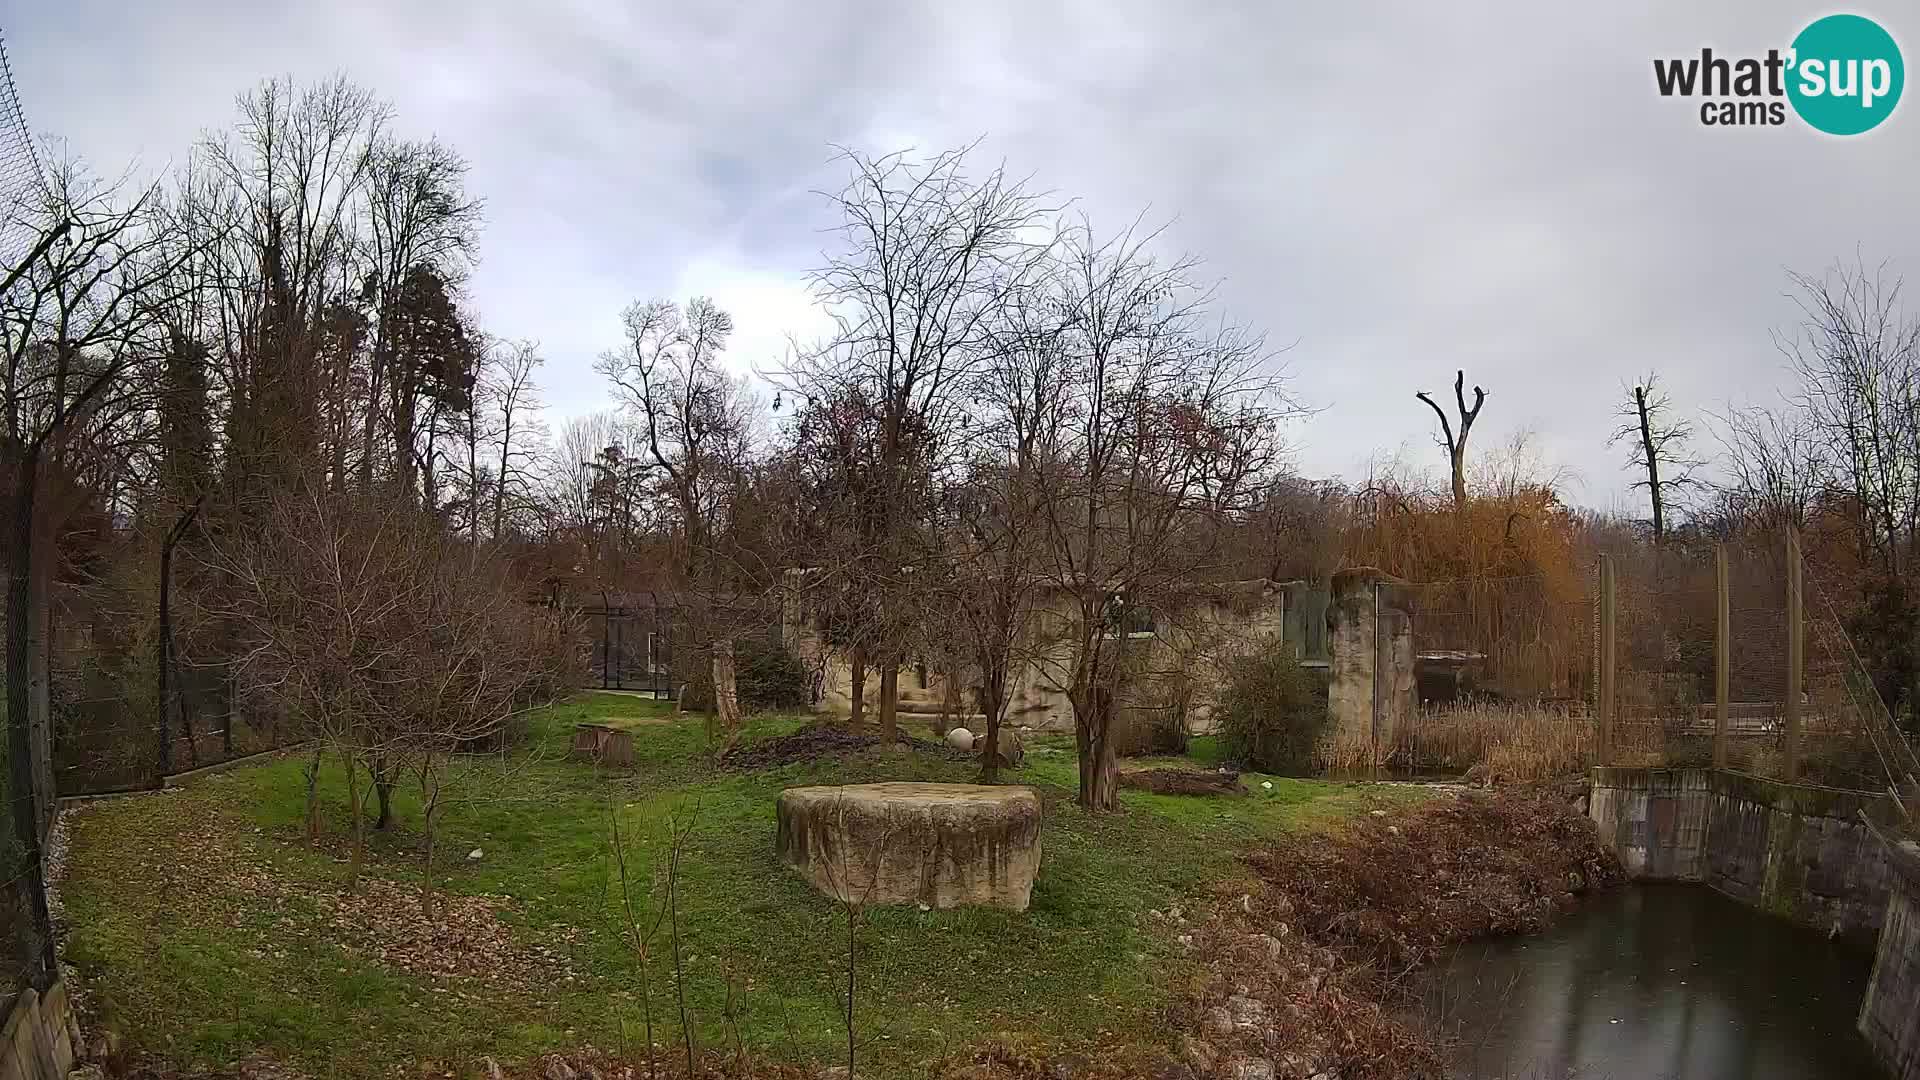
pixel 382 637
pixel 1273 711
pixel 1500 742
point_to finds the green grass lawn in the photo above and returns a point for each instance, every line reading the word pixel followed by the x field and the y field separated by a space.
pixel 206 931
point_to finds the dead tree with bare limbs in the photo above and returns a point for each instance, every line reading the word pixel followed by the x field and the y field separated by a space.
pixel 1456 445
pixel 1658 442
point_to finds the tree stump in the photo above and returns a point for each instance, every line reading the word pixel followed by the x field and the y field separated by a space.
pixel 942 845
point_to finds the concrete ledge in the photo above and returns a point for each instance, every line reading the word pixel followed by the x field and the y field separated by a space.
pixel 1890 1014
pixel 1797 850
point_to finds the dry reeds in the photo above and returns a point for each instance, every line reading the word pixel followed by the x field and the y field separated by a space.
pixel 1497 742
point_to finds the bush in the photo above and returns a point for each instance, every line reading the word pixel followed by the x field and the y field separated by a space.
pixel 769 676
pixel 1273 711
pixel 766 675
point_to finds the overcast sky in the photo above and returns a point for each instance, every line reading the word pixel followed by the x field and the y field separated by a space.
pixel 1395 191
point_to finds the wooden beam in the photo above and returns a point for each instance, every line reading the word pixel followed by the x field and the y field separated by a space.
pixel 1796 653
pixel 1604 750
pixel 1722 656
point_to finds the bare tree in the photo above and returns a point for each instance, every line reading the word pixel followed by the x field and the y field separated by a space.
pixel 1659 446
pixel 695 429
pixel 291 175
pixel 1857 355
pixel 512 403
pixel 373 630
pixel 1775 461
pixel 1168 423
pixel 995 542
pixel 928 254
pixel 76 320
pixel 1456 445
pixel 421 227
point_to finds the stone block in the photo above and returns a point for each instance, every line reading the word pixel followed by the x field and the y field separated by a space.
pixel 942 845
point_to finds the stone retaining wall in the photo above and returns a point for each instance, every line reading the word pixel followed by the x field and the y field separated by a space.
pixel 1890 1014
pixel 1796 850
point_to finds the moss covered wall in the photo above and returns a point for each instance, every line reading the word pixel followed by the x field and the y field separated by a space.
pixel 1890 1013
pixel 1796 850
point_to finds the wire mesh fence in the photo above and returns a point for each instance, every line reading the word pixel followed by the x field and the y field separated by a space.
pixel 1512 679
pixel 1502 675
pixel 1798 703
pixel 27 950
pixel 20 175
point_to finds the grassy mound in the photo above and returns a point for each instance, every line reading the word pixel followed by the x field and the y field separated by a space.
pixel 208 933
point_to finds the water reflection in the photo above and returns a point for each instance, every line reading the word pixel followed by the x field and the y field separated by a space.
pixel 1656 982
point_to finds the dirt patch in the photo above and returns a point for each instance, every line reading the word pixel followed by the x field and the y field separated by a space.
pixel 823 741
pixel 216 876
pixel 384 920
pixel 1183 781
pixel 254 1068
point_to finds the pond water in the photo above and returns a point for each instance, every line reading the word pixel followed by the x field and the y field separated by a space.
pixel 1656 982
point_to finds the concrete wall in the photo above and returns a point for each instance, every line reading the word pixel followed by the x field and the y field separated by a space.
pixel 40 1036
pixel 1795 850
pixel 1176 666
pixel 1369 631
pixel 1890 1014
pixel 1361 624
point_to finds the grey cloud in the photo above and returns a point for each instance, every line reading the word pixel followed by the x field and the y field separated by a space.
pixel 1399 189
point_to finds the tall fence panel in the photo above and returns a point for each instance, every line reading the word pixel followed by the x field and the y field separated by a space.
pixel 1798 703
pixel 1707 664
pixel 1504 675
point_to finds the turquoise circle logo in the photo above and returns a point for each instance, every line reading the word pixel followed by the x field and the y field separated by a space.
pixel 1846 74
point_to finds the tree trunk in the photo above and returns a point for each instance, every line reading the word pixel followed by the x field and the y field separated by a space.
pixel 313 795
pixel 1648 450
pixel 164 669
pixel 429 803
pixel 359 822
pixel 889 699
pixel 1458 460
pixel 164 677
pixel 39 653
pixel 950 701
pixel 726 691
pixel 384 776
pixel 857 709
pixel 993 702
pixel 1099 768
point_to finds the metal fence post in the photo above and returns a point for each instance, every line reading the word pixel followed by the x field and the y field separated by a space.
pixel 1373 731
pixel 1722 655
pixel 1796 653
pixel 1604 751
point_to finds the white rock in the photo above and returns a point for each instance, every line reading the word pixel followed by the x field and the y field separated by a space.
pixel 1250 1069
pixel 475 855
pixel 1246 1012
pixel 1268 784
pixel 960 739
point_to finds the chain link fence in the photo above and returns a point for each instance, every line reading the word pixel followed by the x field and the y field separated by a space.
pixel 1825 725
pixel 1512 680
pixel 27 949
